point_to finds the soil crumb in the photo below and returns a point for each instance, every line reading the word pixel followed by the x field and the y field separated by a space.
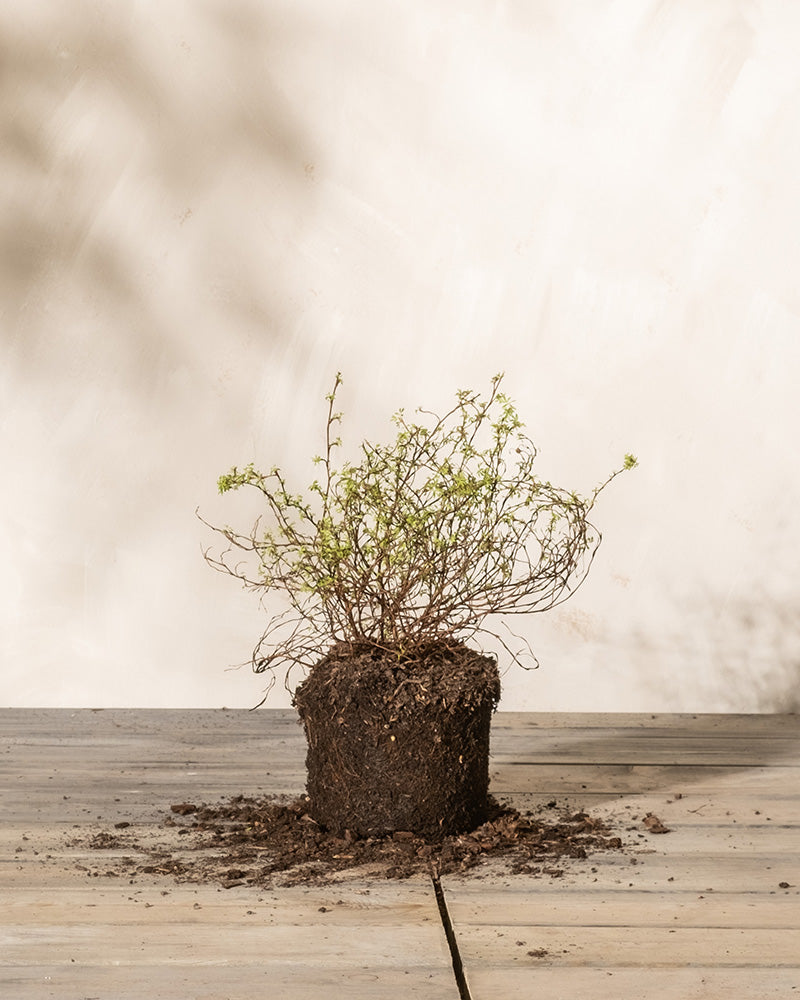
pixel 274 841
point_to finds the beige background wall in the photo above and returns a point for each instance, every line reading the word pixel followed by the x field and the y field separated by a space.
pixel 210 207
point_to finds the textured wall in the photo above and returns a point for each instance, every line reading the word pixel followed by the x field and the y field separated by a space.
pixel 209 208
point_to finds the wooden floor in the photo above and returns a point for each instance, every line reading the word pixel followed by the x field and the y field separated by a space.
pixel 709 910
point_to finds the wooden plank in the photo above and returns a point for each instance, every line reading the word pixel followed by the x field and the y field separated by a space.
pixel 175 943
pixel 624 779
pixel 184 724
pixel 709 722
pixel 118 800
pixel 625 811
pixel 624 748
pixel 496 945
pixel 207 982
pixel 644 869
pixel 728 807
pixel 533 980
pixel 603 904
pixel 348 904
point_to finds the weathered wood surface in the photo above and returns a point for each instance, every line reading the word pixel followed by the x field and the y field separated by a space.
pixel 66 936
pixel 709 910
pixel 699 912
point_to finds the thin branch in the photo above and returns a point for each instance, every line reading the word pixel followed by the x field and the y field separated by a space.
pixel 422 541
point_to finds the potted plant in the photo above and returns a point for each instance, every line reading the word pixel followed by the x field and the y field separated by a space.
pixel 392 568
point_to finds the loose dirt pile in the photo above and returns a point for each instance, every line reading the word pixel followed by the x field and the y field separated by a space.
pixel 269 841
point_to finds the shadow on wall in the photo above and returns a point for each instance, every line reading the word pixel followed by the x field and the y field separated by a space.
pixel 94 105
pixel 741 657
pixel 764 671
pixel 152 166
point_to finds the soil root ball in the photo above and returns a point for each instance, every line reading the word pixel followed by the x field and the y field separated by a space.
pixel 399 740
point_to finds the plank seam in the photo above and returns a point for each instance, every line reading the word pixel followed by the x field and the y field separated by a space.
pixel 450 935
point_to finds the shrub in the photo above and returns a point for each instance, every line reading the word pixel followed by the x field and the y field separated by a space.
pixel 434 537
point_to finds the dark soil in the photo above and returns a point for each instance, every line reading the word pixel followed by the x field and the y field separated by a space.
pixel 266 841
pixel 398 739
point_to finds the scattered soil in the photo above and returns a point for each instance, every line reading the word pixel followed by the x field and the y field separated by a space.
pixel 398 739
pixel 271 842
pixel 654 825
